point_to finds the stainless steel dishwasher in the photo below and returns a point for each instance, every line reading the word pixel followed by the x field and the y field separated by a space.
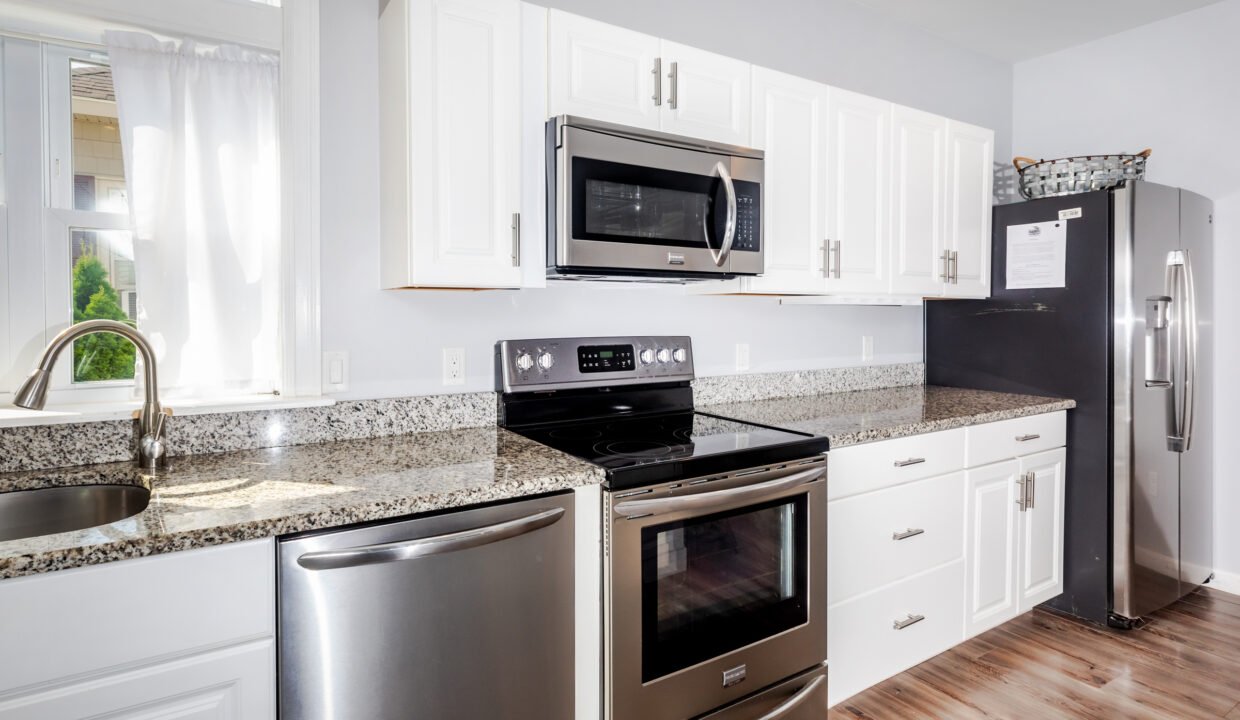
pixel 462 615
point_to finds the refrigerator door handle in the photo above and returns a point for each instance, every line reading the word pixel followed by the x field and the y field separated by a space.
pixel 1189 333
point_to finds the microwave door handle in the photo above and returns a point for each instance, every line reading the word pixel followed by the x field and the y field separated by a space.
pixel 717 498
pixel 729 228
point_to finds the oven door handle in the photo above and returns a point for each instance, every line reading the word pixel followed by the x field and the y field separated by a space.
pixel 717 498
pixel 729 228
pixel 793 702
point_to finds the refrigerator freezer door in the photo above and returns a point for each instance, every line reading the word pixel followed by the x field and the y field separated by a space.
pixel 1147 512
pixel 1196 462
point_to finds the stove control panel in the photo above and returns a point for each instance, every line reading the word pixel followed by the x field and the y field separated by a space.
pixel 542 364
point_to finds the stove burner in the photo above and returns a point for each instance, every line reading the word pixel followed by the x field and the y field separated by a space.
pixel 684 434
pixel 633 448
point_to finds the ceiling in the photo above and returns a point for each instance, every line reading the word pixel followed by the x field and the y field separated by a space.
pixel 1013 30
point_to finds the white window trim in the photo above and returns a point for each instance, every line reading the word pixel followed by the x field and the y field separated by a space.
pixel 293 31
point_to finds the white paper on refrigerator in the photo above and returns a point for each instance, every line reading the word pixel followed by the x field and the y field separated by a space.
pixel 1037 255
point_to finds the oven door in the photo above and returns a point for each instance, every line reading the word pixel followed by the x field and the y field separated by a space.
pixel 634 205
pixel 716 590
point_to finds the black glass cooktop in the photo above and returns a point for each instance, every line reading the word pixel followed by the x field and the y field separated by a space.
pixel 656 448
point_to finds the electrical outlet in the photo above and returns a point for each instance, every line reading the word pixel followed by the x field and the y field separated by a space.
pixel 742 357
pixel 454 366
pixel 335 371
pixel 867 347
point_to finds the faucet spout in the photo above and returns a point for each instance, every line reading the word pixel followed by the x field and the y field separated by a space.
pixel 32 394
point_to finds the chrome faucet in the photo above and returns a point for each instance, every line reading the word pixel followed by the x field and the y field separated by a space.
pixel 32 395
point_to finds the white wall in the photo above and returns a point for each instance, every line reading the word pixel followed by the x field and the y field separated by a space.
pixel 1171 86
pixel 394 337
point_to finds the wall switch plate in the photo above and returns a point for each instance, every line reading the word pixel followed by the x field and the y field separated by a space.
pixel 454 366
pixel 867 347
pixel 742 357
pixel 335 371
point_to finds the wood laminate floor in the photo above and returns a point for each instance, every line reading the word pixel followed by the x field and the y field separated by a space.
pixel 1184 663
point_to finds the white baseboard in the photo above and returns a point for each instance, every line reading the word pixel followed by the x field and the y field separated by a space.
pixel 1227 582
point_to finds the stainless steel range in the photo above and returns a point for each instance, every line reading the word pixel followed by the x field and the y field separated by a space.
pixel 715 538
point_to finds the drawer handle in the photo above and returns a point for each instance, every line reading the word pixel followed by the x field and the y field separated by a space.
pixel 910 620
pixel 911 532
pixel 910 461
pixel 1027 438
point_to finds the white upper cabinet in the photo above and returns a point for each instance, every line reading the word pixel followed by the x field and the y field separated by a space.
pixel 970 181
pixel 918 176
pixel 858 185
pixel 790 125
pixel 602 71
pixel 450 94
pixel 608 73
pixel 708 95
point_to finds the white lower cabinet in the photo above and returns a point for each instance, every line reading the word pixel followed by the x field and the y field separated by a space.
pixel 183 635
pixel 929 545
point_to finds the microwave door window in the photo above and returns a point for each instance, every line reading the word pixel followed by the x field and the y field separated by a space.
pixel 617 202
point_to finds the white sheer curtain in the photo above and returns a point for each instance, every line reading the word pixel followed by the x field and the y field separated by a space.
pixel 200 136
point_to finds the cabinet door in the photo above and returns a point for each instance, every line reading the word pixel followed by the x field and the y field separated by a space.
pixel 706 95
pixel 465 86
pixel 970 182
pixel 918 140
pixel 1041 564
pixel 603 72
pixel 858 180
pixel 790 125
pixel 992 554
pixel 233 684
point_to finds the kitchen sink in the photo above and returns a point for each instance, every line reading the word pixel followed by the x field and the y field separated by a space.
pixel 31 513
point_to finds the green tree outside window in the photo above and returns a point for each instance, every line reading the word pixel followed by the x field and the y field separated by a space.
pixel 102 356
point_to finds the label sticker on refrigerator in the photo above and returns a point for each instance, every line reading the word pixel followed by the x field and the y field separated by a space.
pixel 1069 213
pixel 1037 255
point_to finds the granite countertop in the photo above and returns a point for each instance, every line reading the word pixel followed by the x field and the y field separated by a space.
pixel 203 500
pixel 851 418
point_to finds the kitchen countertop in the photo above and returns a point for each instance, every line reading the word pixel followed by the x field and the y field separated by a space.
pixel 851 418
pixel 204 500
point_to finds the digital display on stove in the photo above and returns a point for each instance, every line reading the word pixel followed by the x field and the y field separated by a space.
pixel 605 358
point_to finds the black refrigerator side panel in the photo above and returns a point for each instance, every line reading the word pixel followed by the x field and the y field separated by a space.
pixel 1056 342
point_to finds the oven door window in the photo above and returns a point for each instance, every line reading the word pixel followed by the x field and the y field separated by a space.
pixel 716 583
pixel 615 202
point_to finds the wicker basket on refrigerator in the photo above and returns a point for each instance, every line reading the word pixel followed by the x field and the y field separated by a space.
pixel 1072 175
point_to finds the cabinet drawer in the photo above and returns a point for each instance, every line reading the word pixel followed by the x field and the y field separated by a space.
pixel 993 442
pixel 864 644
pixel 872 466
pixel 879 537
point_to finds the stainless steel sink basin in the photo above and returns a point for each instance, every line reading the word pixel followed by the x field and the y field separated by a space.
pixel 30 513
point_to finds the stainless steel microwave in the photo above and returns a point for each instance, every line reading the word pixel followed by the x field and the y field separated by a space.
pixel 631 204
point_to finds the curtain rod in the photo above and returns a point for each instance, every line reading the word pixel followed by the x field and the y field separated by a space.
pixel 68 42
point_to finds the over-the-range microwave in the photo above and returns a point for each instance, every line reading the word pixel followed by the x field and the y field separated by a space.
pixel 631 204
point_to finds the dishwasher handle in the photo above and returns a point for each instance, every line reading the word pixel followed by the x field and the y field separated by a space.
pixel 423 547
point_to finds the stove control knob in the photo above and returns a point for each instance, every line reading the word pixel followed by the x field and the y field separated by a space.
pixel 647 356
pixel 664 355
pixel 679 355
pixel 545 360
pixel 524 362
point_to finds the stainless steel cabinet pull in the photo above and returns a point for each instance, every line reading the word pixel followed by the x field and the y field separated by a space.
pixel 1022 498
pixel 839 259
pixel 906 534
pixel 411 549
pixel 910 620
pixel 944 272
pixel 826 259
pixel 657 72
pixel 793 702
pixel 674 75
pixel 1031 487
pixel 716 498
pixel 1027 438
pixel 516 239
pixel 955 266
pixel 910 461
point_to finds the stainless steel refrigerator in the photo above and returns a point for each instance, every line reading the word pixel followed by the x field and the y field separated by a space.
pixel 1129 336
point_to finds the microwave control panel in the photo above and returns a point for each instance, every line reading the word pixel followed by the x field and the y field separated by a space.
pixel 748 218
